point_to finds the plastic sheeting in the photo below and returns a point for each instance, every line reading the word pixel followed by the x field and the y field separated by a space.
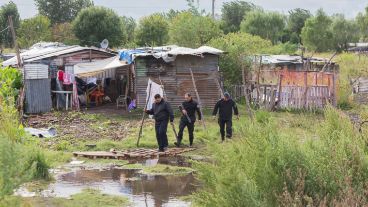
pixel 167 55
pixel 96 67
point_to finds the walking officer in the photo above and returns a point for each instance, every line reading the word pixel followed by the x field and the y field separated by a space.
pixel 225 107
pixel 188 109
pixel 162 113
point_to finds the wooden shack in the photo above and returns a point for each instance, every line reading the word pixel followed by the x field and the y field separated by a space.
pixel 170 67
pixel 41 63
pixel 291 82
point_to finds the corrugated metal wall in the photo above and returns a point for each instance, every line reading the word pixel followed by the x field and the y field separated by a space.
pixel 177 80
pixel 38 96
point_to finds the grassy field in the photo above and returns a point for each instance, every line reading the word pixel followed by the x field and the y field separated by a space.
pixel 282 158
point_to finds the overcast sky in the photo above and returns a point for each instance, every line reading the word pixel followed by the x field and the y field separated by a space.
pixel 139 8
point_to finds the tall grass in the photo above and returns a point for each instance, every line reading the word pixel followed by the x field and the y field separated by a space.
pixel 267 167
pixel 20 160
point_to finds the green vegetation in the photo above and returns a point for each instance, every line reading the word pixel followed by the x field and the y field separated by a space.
pixel 190 30
pixel 34 30
pixel 152 30
pixel 61 11
pixel 94 24
pixel 268 25
pixel 271 166
pixel 87 198
pixel 166 170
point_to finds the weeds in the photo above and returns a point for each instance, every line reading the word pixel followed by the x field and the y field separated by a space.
pixel 269 166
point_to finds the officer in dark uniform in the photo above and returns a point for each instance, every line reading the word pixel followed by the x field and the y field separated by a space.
pixel 225 106
pixel 162 113
pixel 188 108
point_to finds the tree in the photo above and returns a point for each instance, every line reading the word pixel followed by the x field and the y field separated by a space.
pixel 9 9
pixel 60 11
pixel 233 14
pixel 268 25
pixel 344 31
pixel 362 21
pixel 94 24
pixel 129 26
pixel 237 45
pixel 171 14
pixel 192 30
pixel 296 21
pixel 152 30
pixel 63 32
pixel 316 34
pixel 34 30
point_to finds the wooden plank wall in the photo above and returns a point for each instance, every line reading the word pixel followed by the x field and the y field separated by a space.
pixel 360 90
pixel 177 80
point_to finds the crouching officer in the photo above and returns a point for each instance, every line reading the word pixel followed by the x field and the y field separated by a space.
pixel 225 106
pixel 188 108
pixel 162 113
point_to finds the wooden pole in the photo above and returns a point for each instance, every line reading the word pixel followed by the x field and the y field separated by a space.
pixel 199 100
pixel 144 114
pixel 280 91
pixel 20 65
pixel 213 9
pixel 247 104
pixel 11 25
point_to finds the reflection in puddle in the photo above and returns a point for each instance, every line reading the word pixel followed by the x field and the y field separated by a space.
pixel 142 190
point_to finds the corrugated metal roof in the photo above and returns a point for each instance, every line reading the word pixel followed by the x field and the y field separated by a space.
pixel 39 52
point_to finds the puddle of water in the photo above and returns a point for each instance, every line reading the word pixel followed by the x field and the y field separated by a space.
pixel 142 190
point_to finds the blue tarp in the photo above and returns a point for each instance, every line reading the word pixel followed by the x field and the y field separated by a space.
pixel 127 55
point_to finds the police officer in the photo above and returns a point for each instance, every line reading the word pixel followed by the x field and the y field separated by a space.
pixel 225 107
pixel 162 113
pixel 188 109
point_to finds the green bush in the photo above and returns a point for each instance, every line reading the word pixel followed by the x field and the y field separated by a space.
pixel 268 167
pixel 10 83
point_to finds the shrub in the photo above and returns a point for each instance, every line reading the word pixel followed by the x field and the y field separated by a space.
pixel 269 168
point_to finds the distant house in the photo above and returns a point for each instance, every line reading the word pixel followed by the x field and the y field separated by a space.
pixel 292 81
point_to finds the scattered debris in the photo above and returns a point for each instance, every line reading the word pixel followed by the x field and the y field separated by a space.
pixel 51 132
pixel 82 125
pixel 132 153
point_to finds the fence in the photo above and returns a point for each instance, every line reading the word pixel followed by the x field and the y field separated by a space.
pixel 293 97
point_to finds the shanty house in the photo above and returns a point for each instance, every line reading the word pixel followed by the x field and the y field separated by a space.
pixel 170 67
pixel 41 63
pixel 293 81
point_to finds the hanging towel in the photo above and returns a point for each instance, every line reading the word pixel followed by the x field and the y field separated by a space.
pixel 155 89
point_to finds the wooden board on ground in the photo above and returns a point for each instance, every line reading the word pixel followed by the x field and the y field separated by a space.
pixel 132 153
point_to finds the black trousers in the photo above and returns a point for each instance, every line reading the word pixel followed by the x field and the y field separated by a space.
pixel 190 126
pixel 229 130
pixel 161 136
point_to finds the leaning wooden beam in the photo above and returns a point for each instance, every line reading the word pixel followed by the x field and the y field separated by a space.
pixel 199 100
pixel 144 114
pixel 329 62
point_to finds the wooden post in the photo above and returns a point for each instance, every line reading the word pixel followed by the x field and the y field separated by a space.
pixel 213 9
pixel 199 100
pixel 10 20
pixel 90 55
pixel 280 91
pixel 127 85
pixel 20 65
pixel 305 89
pixel 258 74
pixel 144 114
pixel 247 104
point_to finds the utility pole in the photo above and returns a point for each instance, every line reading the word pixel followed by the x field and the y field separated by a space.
pixel 213 9
pixel 10 20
